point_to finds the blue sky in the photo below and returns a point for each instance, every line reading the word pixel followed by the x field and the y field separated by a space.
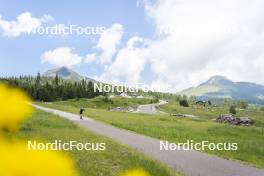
pixel 164 43
pixel 21 55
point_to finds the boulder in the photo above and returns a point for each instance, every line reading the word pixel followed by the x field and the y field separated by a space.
pixel 245 121
pixel 227 118
pixel 184 115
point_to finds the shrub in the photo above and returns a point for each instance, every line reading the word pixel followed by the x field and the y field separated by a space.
pixel 156 100
pixel 106 99
pixel 184 103
pixel 262 108
pixel 232 109
pixel 243 104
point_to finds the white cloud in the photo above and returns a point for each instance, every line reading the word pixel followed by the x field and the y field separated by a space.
pixel 223 37
pixel 61 56
pixel 109 41
pixel 107 44
pixel 128 64
pixel 24 23
pixel 90 58
pixel 206 38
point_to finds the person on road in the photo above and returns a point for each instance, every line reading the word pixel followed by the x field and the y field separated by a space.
pixel 81 113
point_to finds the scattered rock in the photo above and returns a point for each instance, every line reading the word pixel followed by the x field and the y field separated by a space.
pixel 183 115
pixel 227 118
pixel 245 121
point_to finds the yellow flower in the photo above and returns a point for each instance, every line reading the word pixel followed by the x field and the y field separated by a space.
pixel 135 172
pixel 14 107
pixel 16 159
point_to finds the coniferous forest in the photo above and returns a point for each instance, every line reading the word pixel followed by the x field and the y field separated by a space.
pixel 51 89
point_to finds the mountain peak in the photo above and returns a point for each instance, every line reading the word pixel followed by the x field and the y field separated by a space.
pixel 219 87
pixel 60 71
pixel 66 73
pixel 218 77
pixel 218 80
pixel 63 71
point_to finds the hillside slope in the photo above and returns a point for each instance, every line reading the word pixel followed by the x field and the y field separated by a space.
pixel 219 87
pixel 66 73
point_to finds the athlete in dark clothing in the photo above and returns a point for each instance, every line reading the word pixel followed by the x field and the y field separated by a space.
pixel 81 112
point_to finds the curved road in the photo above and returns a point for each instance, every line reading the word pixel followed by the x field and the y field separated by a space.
pixel 191 163
pixel 149 108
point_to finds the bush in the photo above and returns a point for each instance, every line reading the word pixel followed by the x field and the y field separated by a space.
pixel 243 104
pixel 184 103
pixel 156 100
pixel 106 99
pixel 262 108
pixel 232 110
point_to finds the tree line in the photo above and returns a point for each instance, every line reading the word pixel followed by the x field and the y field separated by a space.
pixel 51 89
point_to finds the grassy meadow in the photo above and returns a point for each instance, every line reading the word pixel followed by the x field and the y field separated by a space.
pixel 210 112
pixel 102 103
pixel 116 158
pixel 250 139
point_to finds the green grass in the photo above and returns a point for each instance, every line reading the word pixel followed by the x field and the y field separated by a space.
pixel 210 112
pixel 99 102
pixel 250 139
pixel 111 162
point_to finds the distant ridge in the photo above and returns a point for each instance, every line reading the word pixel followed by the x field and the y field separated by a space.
pixel 66 73
pixel 220 87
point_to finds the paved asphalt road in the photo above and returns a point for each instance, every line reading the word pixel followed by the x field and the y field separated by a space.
pixel 191 163
pixel 149 108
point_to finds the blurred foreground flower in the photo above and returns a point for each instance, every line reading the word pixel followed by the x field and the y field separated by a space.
pixel 15 157
pixel 17 160
pixel 14 107
pixel 135 172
